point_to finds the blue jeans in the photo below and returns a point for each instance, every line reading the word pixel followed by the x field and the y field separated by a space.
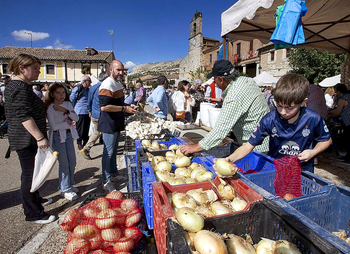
pixel 66 160
pixel 109 156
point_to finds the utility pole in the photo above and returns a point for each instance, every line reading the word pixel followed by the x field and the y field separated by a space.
pixel 31 37
pixel 111 32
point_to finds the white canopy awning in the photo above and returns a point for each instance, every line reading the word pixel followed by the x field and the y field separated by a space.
pixel 326 24
pixel 265 79
pixel 330 81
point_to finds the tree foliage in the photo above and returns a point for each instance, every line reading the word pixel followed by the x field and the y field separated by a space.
pixel 199 73
pixel 314 65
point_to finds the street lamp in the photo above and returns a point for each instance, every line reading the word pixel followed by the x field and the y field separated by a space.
pixel 111 32
pixel 31 37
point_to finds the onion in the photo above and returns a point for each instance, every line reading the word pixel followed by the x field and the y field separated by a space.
pixel 176 181
pixel 133 218
pixel 77 246
pixel 156 160
pixel 170 154
pixel 285 247
pixel 238 204
pixel 163 176
pixel 190 180
pixel 106 219
pixel 155 145
pixel 204 176
pixel 237 245
pixel 72 218
pixel 163 147
pixel 173 147
pixel 211 195
pixel 183 200
pixel 118 195
pixel 199 196
pixel 91 212
pixel 170 159
pixel 193 166
pixel 207 242
pixel 149 156
pixel 189 220
pixel 146 143
pixel 100 203
pixel 189 239
pixel 131 232
pixel 179 153
pixel 289 196
pixel 265 246
pixel 182 161
pixel 83 231
pixel 96 241
pixel 225 168
pixel 183 172
pixel 205 212
pixel 163 166
pixel 196 171
pixel 124 244
pixel 225 190
pixel 111 234
pixel 120 217
pixel 218 208
pixel 98 252
pixel 129 204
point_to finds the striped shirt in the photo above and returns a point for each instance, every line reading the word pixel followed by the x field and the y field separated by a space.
pixel 111 93
pixel 243 107
pixel 21 103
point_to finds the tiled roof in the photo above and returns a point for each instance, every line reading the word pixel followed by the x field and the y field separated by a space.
pixel 73 55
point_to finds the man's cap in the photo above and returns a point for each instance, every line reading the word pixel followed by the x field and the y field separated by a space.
pixel 221 68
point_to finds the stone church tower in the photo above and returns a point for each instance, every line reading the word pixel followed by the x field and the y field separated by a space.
pixel 192 60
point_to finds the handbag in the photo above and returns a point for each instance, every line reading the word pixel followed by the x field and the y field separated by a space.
pixel 181 114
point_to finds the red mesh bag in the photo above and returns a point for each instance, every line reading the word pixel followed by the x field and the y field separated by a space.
pixel 288 177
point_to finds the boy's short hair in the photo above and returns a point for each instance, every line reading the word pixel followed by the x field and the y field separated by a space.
pixel 291 88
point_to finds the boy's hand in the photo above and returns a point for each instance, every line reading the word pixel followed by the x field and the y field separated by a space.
pixel 306 155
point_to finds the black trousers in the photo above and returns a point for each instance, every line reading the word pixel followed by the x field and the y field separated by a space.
pixel 33 210
pixel 83 126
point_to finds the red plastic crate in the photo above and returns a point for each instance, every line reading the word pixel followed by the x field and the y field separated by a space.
pixel 162 209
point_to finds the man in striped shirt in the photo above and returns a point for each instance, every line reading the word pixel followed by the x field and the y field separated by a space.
pixel 243 107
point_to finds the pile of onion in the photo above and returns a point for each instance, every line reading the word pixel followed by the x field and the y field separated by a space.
pixel 186 171
pixel 155 146
pixel 105 224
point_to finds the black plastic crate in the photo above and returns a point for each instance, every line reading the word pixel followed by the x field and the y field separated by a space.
pixel 265 219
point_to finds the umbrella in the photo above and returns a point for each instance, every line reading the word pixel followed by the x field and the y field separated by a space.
pixel 331 81
pixel 265 79
pixel 326 24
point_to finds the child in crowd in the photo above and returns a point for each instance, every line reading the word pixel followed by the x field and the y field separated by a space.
pixel 293 129
pixel 60 114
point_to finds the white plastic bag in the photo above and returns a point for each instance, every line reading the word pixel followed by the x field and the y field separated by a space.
pixel 45 160
pixel 91 128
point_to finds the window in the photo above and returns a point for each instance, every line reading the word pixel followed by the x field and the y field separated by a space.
pixel 85 69
pixel 272 56
pixel 210 58
pixel 50 69
pixel 239 49
pixel 5 68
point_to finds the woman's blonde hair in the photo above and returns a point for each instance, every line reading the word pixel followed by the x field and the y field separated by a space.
pixel 329 90
pixel 24 60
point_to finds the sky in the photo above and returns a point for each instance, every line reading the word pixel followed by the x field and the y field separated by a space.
pixel 144 31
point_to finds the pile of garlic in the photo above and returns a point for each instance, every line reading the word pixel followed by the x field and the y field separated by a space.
pixel 148 126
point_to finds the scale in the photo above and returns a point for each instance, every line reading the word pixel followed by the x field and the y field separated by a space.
pixel 190 131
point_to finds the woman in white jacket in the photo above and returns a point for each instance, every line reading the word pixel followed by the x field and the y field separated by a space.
pixel 182 102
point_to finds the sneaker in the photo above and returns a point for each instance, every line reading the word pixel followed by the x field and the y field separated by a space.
pixel 69 195
pixel 86 154
pixel 46 201
pixel 45 220
pixel 109 186
pixel 74 189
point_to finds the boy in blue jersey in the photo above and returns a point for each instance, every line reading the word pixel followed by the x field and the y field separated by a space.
pixel 293 129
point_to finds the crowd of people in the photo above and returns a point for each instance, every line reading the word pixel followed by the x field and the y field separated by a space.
pixel 291 118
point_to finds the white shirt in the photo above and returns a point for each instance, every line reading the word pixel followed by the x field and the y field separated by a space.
pixel 178 99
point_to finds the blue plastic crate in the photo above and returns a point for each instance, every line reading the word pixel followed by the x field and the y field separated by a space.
pixel 148 178
pixel 263 183
pixel 173 141
pixel 133 184
pixel 325 213
pixel 256 161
